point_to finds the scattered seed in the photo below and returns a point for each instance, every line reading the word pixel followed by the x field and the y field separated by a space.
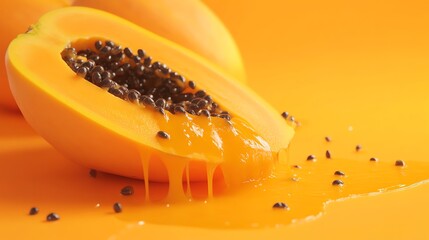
pixel 328 154
pixel 399 163
pixel 52 217
pixel 280 205
pixel 116 92
pixel 141 53
pixel 147 101
pixel 285 115
pixel 311 157
pixel 192 84
pixel 373 159
pixel 93 173
pixel 179 109
pixel 82 71
pixel 133 95
pixel 137 59
pixel 127 191
pixel 160 102
pixel 204 112
pixel 200 94
pixel 98 45
pixel 339 173
pixel 328 139
pixel 117 207
pixel 297 166
pixel 128 52
pixel 358 147
pixel 33 211
pixel 225 116
pixel 292 119
pixel 163 134
pixel 147 61
pixel 110 43
pixel 337 182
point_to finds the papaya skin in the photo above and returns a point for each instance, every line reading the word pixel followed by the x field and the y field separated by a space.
pixel 15 18
pixel 189 23
pixel 98 130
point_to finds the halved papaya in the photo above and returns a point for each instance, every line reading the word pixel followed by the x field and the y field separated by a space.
pixel 99 130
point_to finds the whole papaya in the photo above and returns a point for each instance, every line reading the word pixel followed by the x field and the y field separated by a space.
pixel 189 23
pixel 15 18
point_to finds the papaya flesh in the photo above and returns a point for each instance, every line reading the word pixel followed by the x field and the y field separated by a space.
pixel 189 23
pixel 15 18
pixel 92 127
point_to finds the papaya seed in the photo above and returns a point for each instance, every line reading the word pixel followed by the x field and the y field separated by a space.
pixel 163 134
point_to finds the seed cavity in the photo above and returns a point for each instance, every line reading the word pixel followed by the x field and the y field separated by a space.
pixel 138 79
pixel 52 217
pixel 280 205
pixel 339 173
pixel 373 159
pixel 328 139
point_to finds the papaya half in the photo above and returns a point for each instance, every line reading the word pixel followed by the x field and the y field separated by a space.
pixel 189 23
pixel 92 118
pixel 15 18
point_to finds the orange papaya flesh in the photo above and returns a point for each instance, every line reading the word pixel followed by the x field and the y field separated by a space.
pixel 189 23
pixel 92 127
pixel 15 18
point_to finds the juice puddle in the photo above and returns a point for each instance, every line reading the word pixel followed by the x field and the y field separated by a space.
pixel 66 188
pixel 304 190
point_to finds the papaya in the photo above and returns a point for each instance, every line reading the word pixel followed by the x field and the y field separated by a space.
pixel 189 23
pixel 15 18
pixel 65 74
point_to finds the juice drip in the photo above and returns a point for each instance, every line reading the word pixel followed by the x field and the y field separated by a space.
pixel 210 173
pixel 175 180
pixel 188 182
pixel 281 166
pixel 145 167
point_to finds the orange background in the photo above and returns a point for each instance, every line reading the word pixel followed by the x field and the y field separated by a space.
pixel 335 64
pixel 332 64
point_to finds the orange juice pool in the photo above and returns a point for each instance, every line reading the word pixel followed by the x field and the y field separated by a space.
pixel 356 73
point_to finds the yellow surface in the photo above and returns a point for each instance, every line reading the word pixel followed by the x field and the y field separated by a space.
pixel 354 71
